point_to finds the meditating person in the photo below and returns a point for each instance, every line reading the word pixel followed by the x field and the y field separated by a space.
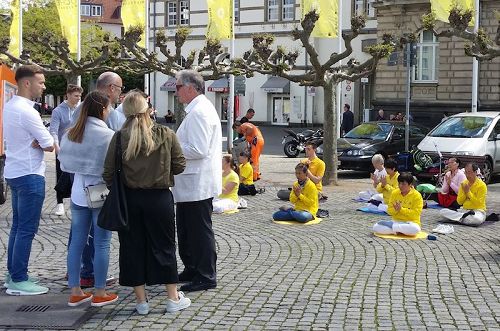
pixel 376 176
pixel 472 198
pixel 405 207
pixel 228 199
pixel 315 172
pixel 304 197
pixel 447 197
pixel 386 185
pixel 246 186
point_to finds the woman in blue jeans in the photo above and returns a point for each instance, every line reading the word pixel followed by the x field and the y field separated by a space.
pixel 83 150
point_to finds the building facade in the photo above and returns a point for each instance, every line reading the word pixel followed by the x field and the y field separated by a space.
pixel 275 100
pixel 441 80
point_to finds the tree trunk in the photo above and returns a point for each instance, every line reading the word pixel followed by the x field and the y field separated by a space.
pixel 330 134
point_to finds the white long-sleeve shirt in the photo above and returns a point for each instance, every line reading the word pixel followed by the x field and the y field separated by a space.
pixel 21 125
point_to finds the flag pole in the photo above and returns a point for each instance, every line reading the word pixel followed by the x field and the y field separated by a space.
pixel 339 85
pixel 78 45
pixel 475 63
pixel 230 110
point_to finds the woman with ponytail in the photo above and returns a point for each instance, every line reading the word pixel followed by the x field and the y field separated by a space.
pixel 151 157
pixel 228 199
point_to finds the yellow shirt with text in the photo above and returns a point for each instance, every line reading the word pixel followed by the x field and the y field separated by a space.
pixel 411 206
pixel 475 198
pixel 308 198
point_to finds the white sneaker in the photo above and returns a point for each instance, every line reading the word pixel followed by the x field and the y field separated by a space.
pixel 142 308
pixel 60 209
pixel 182 303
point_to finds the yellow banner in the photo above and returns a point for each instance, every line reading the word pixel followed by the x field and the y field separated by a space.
pixel 441 8
pixel 68 16
pixel 14 29
pixel 220 19
pixel 133 13
pixel 327 24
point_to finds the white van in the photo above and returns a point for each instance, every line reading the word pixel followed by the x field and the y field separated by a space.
pixel 468 134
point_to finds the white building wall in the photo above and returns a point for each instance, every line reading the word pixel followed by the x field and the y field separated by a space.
pixel 304 107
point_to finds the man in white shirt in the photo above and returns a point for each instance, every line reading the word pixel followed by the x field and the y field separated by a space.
pixel 200 137
pixel 26 139
pixel 59 123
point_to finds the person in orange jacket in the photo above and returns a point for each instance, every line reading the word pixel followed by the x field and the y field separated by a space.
pixel 254 137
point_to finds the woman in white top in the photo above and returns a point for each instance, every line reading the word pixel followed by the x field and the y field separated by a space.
pixel 83 150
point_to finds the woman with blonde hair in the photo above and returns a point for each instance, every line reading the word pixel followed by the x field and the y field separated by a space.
pixel 228 199
pixel 83 149
pixel 151 157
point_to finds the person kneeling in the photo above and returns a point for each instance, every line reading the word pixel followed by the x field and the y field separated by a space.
pixel 304 196
pixel 405 207
pixel 246 186
pixel 472 198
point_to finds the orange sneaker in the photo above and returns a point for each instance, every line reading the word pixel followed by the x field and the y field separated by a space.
pixel 109 298
pixel 76 300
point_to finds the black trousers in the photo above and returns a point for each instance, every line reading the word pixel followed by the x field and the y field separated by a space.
pixel 59 195
pixel 196 239
pixel 147 249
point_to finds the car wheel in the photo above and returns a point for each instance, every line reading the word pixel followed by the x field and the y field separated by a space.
pixel 487 171
pixel 290 149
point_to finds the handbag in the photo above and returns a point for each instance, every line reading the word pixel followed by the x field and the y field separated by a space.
pixel 96 195
pixel 114 213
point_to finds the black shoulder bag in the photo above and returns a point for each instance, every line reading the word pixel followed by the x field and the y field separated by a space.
pixel 114 214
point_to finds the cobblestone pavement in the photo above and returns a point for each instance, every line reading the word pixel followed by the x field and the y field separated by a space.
pixel 334 275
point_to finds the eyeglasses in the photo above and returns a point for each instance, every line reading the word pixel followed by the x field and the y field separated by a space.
pixel 122 88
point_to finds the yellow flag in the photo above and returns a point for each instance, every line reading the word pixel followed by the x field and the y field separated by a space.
pixel 220 19
pixel 14 29
pixel 68 16
pixel 133 13
pixel 327 24
pixel 441 8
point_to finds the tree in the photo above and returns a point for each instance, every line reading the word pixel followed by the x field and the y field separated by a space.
pixel 278 62
pixel 481 45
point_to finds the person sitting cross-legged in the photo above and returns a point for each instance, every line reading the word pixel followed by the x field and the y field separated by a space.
pixel 405 207
pixel 228 199
pixel 387 184
pixel 472 198
pixel 304 197
pixel 376 176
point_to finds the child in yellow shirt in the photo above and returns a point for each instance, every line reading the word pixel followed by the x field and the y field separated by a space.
pixel 246 186
pixel 304 196
pixel 405 207
pixel 228 199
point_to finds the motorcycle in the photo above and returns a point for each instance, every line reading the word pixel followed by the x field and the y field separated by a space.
pixel 294 143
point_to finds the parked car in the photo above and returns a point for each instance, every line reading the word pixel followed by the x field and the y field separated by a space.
pixel 468 134
pixel 356 148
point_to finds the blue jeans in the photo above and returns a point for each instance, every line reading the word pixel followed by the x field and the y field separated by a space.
pixel 88 255
pixel 82 220
pixel 28 193
pixel 293 215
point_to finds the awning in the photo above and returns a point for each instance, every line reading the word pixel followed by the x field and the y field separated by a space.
pixel 219 85
pixel 276 85
pixel 169 85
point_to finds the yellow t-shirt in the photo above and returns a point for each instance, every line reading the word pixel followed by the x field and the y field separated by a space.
pixel 317 168
pixel 391 185
pixel 246 172
pixel 475 198
pixel 411 206
pixel 232 177
pixel 308 199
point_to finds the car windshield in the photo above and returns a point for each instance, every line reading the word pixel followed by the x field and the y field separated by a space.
pixel 462 127
pixel 373 131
